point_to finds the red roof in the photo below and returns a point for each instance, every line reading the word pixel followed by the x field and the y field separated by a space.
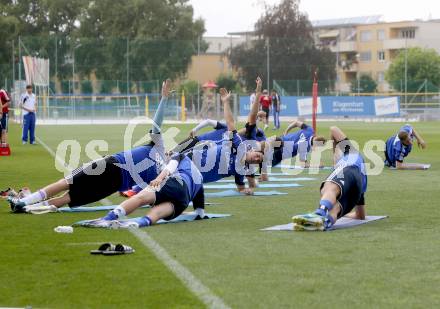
pixel 210 84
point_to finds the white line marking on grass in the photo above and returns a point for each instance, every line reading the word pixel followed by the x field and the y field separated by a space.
pixel 188 279
pixel 50 151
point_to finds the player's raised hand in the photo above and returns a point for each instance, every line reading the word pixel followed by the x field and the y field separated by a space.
pixel 259 84
pixel 421 143
pixel 166 87
pixel 224 95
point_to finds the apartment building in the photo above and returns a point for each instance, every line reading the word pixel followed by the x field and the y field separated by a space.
pixel 367 46
pixel 363 46
pixel 214 61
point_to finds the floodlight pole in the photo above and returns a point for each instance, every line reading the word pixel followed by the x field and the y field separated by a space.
pixel 13 65
pixel 406 70
pixel 314 99
pixel 198 82
pixel 19 58
pixel 128 71
pixel 268 62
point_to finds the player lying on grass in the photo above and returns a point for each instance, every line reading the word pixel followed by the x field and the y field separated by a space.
pixel 299 143
pixel 342 193
pixel 212 148
pixel 117 172
pixel 228 144
pixel 228 157
pixel 170 193
pixel 399 146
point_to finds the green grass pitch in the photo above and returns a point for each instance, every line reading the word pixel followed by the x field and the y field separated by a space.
pixel 393 263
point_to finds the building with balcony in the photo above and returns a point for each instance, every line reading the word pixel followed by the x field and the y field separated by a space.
pixel 367 45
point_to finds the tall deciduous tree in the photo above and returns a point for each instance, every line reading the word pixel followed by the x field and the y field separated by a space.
pixel 292 52
pixel 422 64
pixel 366 84
pixel 158 37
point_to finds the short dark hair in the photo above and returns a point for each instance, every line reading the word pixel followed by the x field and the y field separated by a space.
pixel 403 135
pixel 28 86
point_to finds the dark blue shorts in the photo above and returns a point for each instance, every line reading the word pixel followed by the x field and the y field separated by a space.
pixel 4 122
pixel 176 192
pixel 349 180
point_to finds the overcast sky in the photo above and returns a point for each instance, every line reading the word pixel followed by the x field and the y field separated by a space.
pixel 226 16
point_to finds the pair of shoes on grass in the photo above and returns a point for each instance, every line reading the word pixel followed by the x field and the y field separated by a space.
pixel 111 249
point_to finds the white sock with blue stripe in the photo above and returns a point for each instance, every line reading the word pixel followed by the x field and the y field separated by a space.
pixel 35 197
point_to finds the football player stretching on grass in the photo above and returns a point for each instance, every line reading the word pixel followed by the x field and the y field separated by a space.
pixel 227 143
pixel 342 193
pixel 290 145
pixel 103 177
pixel 399 146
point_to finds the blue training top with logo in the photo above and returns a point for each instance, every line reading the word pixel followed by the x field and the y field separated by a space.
pixel 395 151
pixel 218 160
pixel 187 171
pixel 214 135
pixel 298 141
pixel 354 159
pixel 141 174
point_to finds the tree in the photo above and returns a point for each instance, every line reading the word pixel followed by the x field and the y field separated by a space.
pixel 158 37
pixel 422 65
pixel 228 82
pixel 293 54
pixel 190 87
pixel 366 84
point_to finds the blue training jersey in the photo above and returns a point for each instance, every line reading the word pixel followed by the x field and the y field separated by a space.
pixel 141 174
pixel 298 142
pixel 354 159
pixel 215 135
pixel 395 151
pixel 219 160
pixel 189 173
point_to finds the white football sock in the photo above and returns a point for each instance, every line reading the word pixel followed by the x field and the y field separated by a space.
pixel 35 197
pixel 120 212
pixel 43 203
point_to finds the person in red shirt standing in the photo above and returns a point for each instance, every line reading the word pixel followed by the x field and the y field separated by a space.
pixel 265 102
pixel 4 104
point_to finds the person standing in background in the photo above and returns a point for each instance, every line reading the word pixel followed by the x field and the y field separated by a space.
pixel 276 107
pixel 28 103
pixel 265 102
pixel 4 111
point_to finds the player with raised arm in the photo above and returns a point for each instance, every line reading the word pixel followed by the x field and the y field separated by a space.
pixel 250 132
pixel 227 157
pixel 399 146
pixel 117 172
pixel 342 193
